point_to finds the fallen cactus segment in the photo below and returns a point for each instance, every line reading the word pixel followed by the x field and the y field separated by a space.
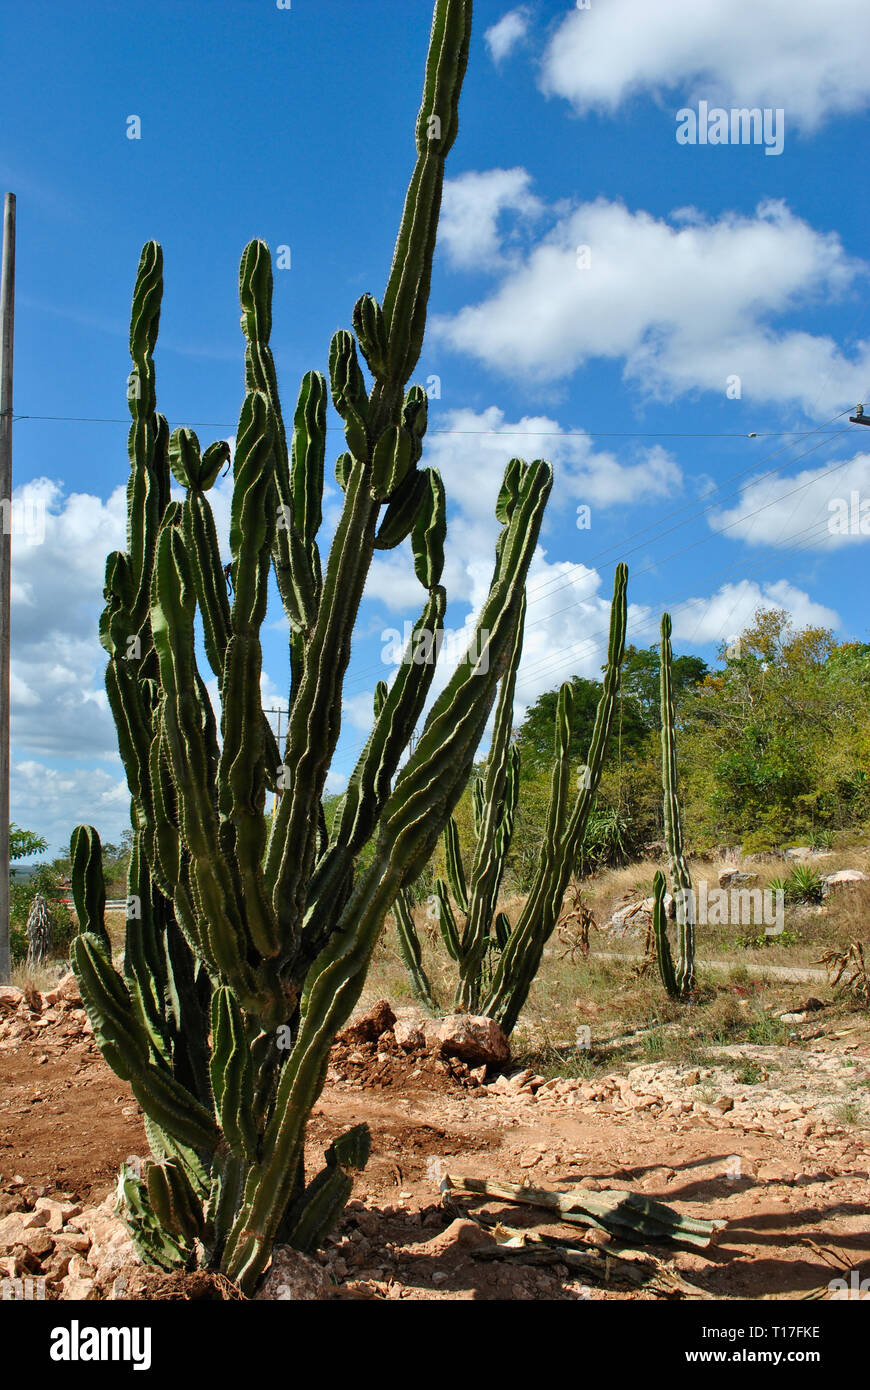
pixel 248 937
pixel 611 1210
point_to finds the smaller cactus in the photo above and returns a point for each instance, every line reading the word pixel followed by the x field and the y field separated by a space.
pixel 678 979
pixel 497 962
pixel 40 932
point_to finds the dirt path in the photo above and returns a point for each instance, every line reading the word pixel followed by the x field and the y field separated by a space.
pixel 799 973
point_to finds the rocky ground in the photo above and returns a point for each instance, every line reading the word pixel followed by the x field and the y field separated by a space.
pixel 772 1141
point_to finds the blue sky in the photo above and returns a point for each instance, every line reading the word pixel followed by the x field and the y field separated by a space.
pixel 722 292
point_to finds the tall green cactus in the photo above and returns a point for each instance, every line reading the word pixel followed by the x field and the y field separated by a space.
pixel 497 963
pixel 248 939
pixel 679 979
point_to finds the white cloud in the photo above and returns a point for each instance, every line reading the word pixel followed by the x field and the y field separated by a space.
pixel 806 57
pixel 59 706
pixel 473 204
pixel 567 624
pixel 52 801
pixel 685 304
pixel 780 510
pixel 475 446
pixel 731 609
pixel 504 36
pixel 471 450
pixel 392 581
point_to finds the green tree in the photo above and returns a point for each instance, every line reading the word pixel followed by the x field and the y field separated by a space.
pixel 24 842
pixel 640 682
pixel 776 743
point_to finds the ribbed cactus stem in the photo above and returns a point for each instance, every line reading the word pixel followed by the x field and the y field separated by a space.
pixel 249 937
pixel 679 980
pixel 566 824
pixel 497 962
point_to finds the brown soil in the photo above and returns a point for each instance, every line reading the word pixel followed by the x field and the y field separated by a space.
pixel 66 1123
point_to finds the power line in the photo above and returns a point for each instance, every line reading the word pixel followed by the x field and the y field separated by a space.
pixel 773 557
pixel 643 530
pixel 539 590
pixel 703 540
pixel 495 434
pixel 588 646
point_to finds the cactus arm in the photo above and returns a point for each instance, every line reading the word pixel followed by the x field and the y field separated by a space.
pixel 502 929
pixel 489 857
pixel 433 779
pixel 370 780
pixel 144 962
pixel 154 1243
pixel 200 536
pixel 298 486
pixel 232 1080
pixel 201 540
pixel 187 996
pixel 144 486
pixel 88 886
pixel 660 935
pixel 349 395
pixel 369 783
pixel 212 889
pixel 453 862
pixel 409 946
pixel 241 771
pixel 521 956
pixel 133 723
pixel 407 292
pixel 446 920
pixel 505 828
pixel 403 509
pixel 173 1200
pixel 314 722
pixel 317 1209
pixel 124 1044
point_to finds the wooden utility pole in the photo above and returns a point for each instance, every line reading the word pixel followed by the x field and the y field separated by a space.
pixel 7 319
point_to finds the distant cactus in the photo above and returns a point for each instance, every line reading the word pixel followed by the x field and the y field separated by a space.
pixel 248 938
pixel 679 979
pixel 496 962
pixel 40 932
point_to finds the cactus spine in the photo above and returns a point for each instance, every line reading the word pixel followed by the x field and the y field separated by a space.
pixel 247 944
pixel 679 979
pixel 497 963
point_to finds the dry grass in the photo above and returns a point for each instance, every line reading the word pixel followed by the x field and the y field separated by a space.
pixel 44 977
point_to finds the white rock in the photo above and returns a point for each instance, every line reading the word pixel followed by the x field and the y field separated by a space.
pixel 473 1039
pixel 293 1277
pixel 409 1034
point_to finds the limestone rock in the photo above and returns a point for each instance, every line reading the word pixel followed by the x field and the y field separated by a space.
pixel 66 990
pixel 379 1019
pixel 10 998
pixel 841 879
pixel 409 1034
pixel 474 1039
pixel 293 1277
